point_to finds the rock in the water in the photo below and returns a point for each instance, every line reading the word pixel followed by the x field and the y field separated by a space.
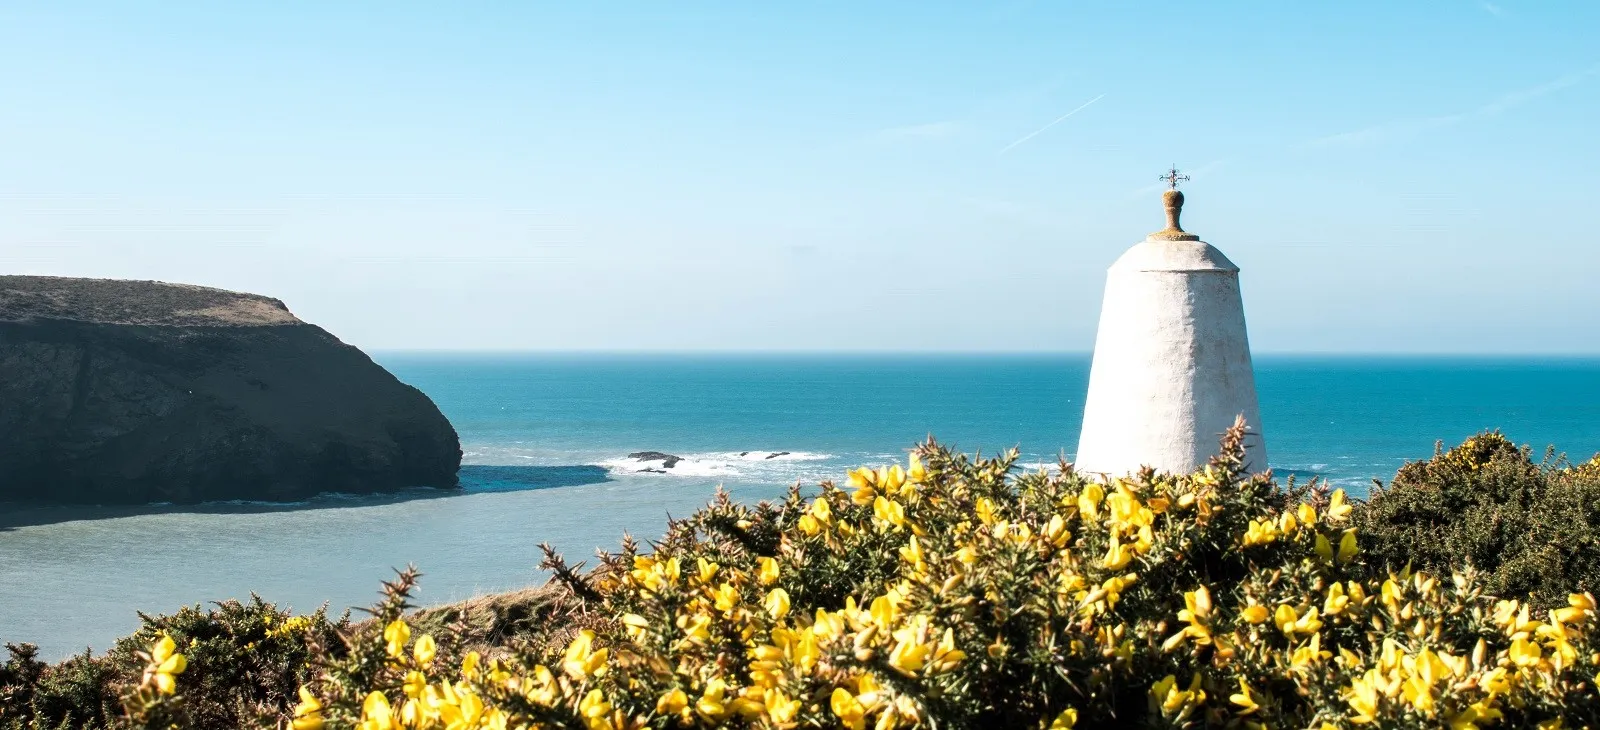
pixel 138 391
pixel 667 460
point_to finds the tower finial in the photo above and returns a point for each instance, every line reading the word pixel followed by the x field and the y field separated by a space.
pixel 1172 178
pixel 1172 199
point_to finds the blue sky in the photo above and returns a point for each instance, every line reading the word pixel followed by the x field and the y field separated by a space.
pixel 1391 177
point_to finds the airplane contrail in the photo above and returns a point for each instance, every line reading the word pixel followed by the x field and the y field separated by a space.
pixel 1058 120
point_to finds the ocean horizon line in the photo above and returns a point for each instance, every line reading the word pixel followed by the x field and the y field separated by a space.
pixel 848 353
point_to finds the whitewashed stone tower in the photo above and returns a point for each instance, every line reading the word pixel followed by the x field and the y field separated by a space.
pixel 1171 359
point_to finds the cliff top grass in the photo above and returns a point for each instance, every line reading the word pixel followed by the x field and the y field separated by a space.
pixel 119 301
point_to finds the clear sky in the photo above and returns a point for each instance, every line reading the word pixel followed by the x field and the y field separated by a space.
pixel 1391 176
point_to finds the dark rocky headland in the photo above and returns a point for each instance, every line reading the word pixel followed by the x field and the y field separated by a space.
pixel 139 391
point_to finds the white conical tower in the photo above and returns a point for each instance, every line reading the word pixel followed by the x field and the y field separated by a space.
pixel 1171 360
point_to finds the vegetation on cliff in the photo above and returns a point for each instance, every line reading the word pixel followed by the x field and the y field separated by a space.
pixel 241 661
pixel 950 592
pixel 1534 526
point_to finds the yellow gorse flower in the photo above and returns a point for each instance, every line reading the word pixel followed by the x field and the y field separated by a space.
pixel 776 603
pixel 864 481
pixel 290 627
pixel 308 713
pixel 1243 699
pixel 164 666
pixel 1347 547
pixel 1336 600
pixel 916 473
pixel 594 707
pixel 376 714
pixel 712 704
pixel 849 711
pixel 1261 532
pixel 1118 555
pixel 1338 509
pixel 1292 622
pixel 581 659
pixel 1197 614
pixel 1089 501
pixel 726 597
pixel 769 566
pixel 395 636
pixel 1056 531
pixel 635 625
pixel 706 570
pixel 1173 703
pixel 424 650
pixel 673 702
pixel 891 479
pixel 1580 606
pixel 888 514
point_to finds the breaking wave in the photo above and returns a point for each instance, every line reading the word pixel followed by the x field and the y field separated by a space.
pixel 715 464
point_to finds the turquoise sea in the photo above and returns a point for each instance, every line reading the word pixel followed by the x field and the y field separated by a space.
pixel 546 439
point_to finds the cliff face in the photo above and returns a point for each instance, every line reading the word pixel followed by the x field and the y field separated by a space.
pixel 125 391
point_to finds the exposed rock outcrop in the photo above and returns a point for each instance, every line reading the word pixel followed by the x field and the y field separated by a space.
pixel 137 391
pixel 667 460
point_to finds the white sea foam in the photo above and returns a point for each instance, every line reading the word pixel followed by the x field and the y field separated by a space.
pixel 685 467
pixel 1357 486
pixel 719 464
pixel 767 456
pixel 1033 466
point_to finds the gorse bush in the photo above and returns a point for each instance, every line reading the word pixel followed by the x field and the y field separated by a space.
pixel 247 659
pixel 34 695
pixel 1532 527
pixel 954 593
pixel 241 664
pixel 958 593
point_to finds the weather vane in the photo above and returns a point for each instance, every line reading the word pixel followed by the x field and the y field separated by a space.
pixel 1172 178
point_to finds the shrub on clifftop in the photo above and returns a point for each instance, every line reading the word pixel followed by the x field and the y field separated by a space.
pixel 242 663
pixel 958 594
pixel 1532 527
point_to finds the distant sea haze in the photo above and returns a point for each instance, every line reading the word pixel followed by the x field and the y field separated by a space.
pixel 548 437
